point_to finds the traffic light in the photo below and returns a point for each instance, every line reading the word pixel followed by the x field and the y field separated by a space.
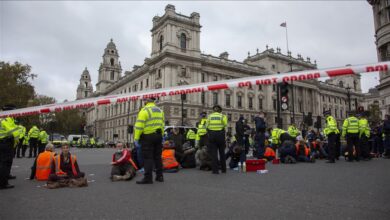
pixel 284 96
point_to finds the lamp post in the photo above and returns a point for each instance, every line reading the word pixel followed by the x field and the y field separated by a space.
pixel 349 97
pixel 182 97
pixel 292 95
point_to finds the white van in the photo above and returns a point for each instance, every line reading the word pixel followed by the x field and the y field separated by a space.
pixel 76 137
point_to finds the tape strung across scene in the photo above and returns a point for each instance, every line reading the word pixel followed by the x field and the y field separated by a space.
pixel 195 88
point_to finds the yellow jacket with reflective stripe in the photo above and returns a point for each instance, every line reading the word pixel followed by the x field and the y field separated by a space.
pixel 201 128
pixel 216 122
pixel 275 135
pixel 150 118
pixel 293 131
pixel 364 128
pixel 8 128
pixel 22 131
pixel 331 126
pixel 34 132
pixel 43 137
pixel 350 126
pixel 191 135
pixel 25 140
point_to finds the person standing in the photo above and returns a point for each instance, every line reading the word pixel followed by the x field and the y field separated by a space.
pixel 19 147
pixel 191 136
pixel 386 134
pixel 201 134
pixel 9 132
pixel 261 127
pixel 33 136
pixel 351 133
pixel 331 132
pixel 216 124
pixel 43 136
pixel 149 130
pixel 364 135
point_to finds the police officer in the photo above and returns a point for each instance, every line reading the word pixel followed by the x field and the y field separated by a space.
pixel 331 131
pixel 364 135
pixel 149 130
pixel 216 124
pixel 19 147
pixel 293 131
pixel 33 136
pixel 43 136
pixel 191 136
pixel 351 133
pixel 201 134
pixel 9 131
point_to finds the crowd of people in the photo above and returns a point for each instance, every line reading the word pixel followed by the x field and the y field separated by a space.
pixel 207 146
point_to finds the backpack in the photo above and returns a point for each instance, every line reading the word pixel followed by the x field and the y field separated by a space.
pixel 260 124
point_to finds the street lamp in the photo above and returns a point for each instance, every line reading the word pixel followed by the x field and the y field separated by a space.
pixel 182 97
pixel 349 97
pixel 292 94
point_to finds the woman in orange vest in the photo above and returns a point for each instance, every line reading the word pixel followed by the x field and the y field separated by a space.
pixel 269 153
pixel 65 166
pixel 43 164
pixel 303 152
pixel 169 161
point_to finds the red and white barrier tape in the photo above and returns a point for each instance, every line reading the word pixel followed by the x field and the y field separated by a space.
pixel 209 86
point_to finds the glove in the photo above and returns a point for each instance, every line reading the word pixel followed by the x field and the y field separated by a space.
pixel 137 144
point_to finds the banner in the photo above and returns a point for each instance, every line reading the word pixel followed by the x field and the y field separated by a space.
pixel 202 87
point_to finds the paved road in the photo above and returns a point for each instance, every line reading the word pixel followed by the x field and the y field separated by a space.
pixel 301 191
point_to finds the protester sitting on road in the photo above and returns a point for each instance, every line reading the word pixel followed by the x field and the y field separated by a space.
pixel 66 166
pixel 287 152
pixel 269 153
pixel 203 158
pixel 169 161
pixel 234 152
pixel 123 167
pixel 43 164
pixel 178 141
pixel 188 159
pixel 302 151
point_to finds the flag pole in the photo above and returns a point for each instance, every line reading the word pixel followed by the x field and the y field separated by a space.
pixel 286 36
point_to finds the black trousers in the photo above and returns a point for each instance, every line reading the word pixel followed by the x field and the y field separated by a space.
pixel 120 169
pixel 151 148
pixel 217 145
pixel 203 140
pixel 353 141
pixel 364 147
pixel 338 146
pixel 33 147
pixel 19 149
pixel 6 158
pixel 332 142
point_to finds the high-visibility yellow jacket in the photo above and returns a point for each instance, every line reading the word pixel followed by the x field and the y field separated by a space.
pixel 293 131
pixel 350 126
pixel 275 135
pixel 216 122
pixel 34 132
pixel 43 136
pixel 150 119
pixel 202 130
pixel 8 128
pixel 364 128
pixel 331 126
pixel 191 135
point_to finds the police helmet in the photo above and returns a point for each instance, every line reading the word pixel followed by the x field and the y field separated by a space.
pixel 217 108
pixel 149 99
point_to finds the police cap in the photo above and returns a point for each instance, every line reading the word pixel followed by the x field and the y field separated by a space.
pixel 217 108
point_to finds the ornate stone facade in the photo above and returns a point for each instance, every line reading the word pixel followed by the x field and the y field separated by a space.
pixel 176 59
pixel 381 11
pixel 85 88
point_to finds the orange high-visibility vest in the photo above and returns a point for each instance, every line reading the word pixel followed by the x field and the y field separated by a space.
pixel 168 159
pixel 269 152
pixel 43 168
pixel 307 151
pixel 58 164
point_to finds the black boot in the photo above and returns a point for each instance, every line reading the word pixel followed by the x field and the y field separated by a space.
pixel 159 179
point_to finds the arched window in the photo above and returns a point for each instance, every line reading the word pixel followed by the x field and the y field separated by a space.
pixel 112 61
pixel 183 41
pixel 161 42
pixel 341 84
pixel 86 84
pixel 112 75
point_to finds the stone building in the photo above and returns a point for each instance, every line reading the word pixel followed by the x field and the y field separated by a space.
pixel 381 11
pixel 85 88
pixel 176 59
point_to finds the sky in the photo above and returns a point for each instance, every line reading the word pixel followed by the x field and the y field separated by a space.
pixel 59 39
